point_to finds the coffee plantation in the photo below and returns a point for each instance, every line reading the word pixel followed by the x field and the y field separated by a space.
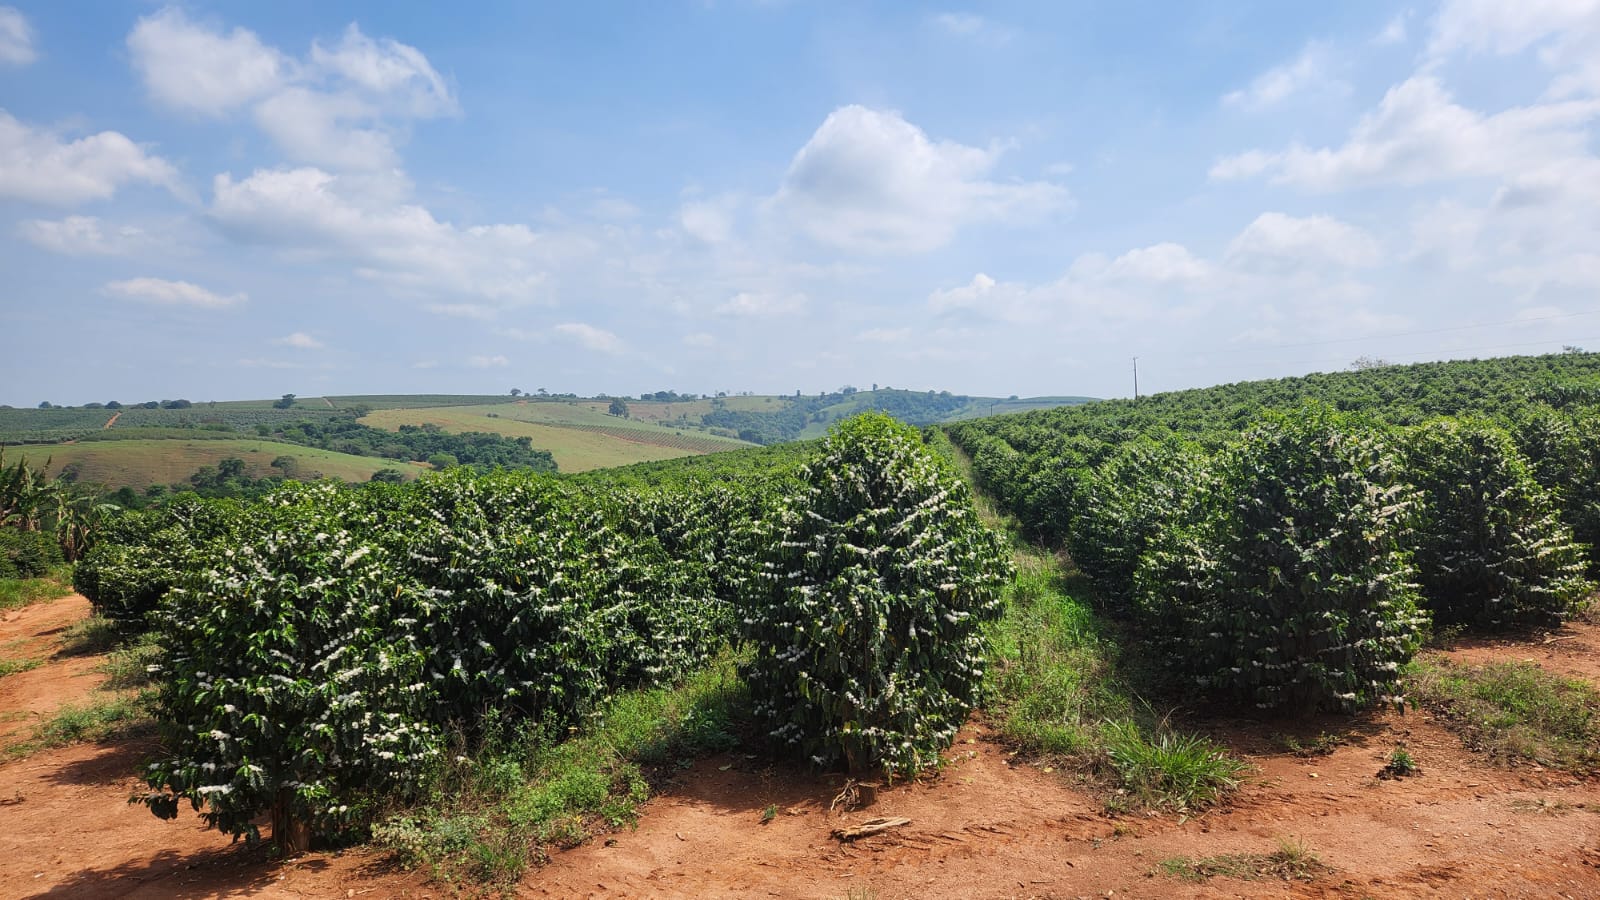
pixel 1293 561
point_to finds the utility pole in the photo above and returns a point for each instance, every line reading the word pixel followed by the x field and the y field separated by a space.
pixel 1136 378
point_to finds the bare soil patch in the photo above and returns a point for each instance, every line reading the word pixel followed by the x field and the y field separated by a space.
pixel 988 826
pixel 34 632
pixel 1572 650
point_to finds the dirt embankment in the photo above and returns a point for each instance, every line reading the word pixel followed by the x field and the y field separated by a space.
pixel 986 827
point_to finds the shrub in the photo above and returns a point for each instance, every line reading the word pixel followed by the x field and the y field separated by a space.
pixel 1286 584
pixel 290 677
pixel 27 554
pixel 1490 550
pixel 875 582
pixel 1565 459
pixel 1123 505
pixel 542 600
pixel 140 555
pixel 124 582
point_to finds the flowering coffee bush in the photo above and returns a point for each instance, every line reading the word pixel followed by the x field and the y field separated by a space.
pixel 1287 584
pixel 290 676
pixel 1490 549
pixel 874 582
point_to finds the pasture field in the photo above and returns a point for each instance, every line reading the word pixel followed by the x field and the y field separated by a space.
pixel 139 463
pixel 579 437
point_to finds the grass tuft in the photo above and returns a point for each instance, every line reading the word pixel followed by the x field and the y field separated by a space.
pixel 1167 769
pixel 1401 764
pixel 13 666
pixel 110 718
pixel 1292 861
pixel 1515 712
pixel 129 666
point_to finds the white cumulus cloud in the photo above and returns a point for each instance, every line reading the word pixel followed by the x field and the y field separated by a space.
pixel 1308 72
pixel 342 106
pixel 870 181
pixel 1565 34
pixel 191 67
pixel 1278 241
pixel 1420 134
pixel 400 244
pixel 760 305
pixel 39 166
pixel 162 292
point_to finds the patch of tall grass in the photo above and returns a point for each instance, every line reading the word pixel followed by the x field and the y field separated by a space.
pixel 1514 711
pixel 1056 691
pixel 19 592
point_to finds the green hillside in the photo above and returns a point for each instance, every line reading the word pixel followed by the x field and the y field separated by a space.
pixel 139 463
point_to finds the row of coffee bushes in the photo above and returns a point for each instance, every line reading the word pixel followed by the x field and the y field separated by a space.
pixel 320 648
pixel 1297 565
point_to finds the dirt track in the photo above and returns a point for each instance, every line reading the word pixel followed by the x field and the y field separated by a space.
pixel 986 827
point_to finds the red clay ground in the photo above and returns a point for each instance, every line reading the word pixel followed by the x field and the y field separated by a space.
pixel 985 828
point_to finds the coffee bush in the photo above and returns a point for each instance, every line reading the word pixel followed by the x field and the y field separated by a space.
pixel 874 582
pixel 1490 548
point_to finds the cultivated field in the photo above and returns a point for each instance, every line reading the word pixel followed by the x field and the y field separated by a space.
pixel 579 436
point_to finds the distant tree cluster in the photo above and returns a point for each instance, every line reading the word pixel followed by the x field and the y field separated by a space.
pixel 419 443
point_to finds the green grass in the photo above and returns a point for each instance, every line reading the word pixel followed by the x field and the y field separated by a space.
pixel 1053 681
pixel 128 666
pixel 1401 764
pixel 20 592
pixel 13 666
pixel 1161 768
pixel 1292 861
pixel 1514 712
pixel 107 717
pixel 92 635
pixel 491 815
pixel 139 463
pixel 1056 693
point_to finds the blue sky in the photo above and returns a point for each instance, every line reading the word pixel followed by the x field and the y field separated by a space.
pixel 220 201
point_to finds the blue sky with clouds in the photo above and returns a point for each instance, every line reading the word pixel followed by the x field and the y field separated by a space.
pixel 221 201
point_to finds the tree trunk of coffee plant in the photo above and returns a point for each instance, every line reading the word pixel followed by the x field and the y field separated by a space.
pixel 291 835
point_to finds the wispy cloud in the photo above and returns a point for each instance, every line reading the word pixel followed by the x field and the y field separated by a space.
pixel 16 38
pixel 162 292
pixel 300 341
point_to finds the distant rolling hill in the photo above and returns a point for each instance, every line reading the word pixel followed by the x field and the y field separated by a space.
pixel 136 447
